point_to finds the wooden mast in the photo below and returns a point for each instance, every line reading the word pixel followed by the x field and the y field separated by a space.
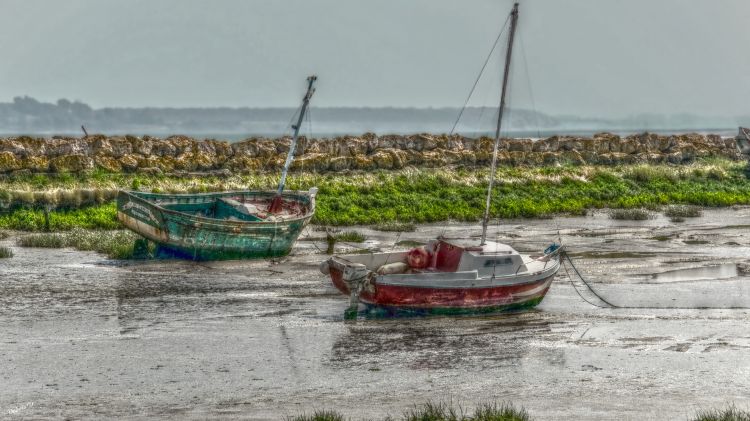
pixel 513 23
pixel 275 206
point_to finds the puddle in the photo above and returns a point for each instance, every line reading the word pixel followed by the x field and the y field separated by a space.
pixel 723 271
pixel 611 254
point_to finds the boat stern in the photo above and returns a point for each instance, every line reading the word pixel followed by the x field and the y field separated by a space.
pixel 343 273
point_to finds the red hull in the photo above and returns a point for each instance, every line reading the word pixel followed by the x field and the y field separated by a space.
pixel 465 298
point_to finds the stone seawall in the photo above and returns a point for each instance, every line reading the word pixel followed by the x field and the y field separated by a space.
pixel 177 154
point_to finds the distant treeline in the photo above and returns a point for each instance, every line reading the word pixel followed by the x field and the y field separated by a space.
pixel 25 115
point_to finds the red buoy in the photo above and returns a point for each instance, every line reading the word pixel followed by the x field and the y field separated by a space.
pixel 418 258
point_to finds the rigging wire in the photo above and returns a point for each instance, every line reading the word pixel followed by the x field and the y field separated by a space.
pixel 479 76
pixel 493 88
pixel 474 86
pixel 308 117
pixel 528 81
pixel 291 119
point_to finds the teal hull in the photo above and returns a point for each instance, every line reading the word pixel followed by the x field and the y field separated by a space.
pixel 202 227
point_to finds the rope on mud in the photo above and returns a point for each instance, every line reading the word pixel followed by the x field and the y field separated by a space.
pixel 574 285
pixel 590 288
pixel 565 256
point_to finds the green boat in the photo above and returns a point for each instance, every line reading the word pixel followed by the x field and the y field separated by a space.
pixel 226 225
pixel 217 226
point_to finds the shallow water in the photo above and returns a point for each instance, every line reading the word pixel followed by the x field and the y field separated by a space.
pixel 85 337
pixel 700 273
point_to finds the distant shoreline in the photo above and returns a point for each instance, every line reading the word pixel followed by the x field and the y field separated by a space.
pixel 25 115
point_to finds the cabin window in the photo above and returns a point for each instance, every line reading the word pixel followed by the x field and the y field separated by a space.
pixel 498 262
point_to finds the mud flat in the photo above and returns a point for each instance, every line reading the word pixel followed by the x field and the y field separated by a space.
pixel 86 337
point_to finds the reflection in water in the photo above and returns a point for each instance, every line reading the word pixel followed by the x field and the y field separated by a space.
pixel 723 271
pixel 147 299
pixel 444 342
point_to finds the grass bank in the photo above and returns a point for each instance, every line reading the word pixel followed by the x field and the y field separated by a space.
pixel 407 196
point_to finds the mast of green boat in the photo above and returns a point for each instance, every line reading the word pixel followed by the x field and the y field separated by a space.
pixel 275 206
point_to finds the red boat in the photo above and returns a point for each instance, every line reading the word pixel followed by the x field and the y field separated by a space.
pixel 445 277
pixel 450 277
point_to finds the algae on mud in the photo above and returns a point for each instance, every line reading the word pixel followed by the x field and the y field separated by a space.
pixel 409 195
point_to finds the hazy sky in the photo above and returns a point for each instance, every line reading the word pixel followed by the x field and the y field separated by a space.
pixel 592 57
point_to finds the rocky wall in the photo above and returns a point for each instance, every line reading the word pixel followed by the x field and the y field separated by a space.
pixel 179 154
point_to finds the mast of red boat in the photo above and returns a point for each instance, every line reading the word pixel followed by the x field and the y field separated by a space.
pixel 275 206
pixel 513 22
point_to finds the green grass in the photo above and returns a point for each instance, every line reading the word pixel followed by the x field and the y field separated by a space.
pixel 5 253
pixel 399 199
pixel 92 217
pixel 637 214
pixel 115 244
pixel 683 211
pixel 728 414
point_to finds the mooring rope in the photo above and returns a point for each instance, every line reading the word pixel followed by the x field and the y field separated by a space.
pixel 590 288
pixel 565 256
pixel 575 288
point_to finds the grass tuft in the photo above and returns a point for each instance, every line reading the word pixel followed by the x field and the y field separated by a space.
pixel 441 411
pixel 728 414
pixel 350 237
pixel 50 241
pixel 4 235
pixel 394 226
pixel 433 411
pixel 683 211
pixel 5 253
pixel 502 412
pixel 409 243
pixel 115 244
pixel 637 214
pixel 319 416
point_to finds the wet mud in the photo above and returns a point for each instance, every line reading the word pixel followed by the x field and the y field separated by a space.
pixel 82 336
